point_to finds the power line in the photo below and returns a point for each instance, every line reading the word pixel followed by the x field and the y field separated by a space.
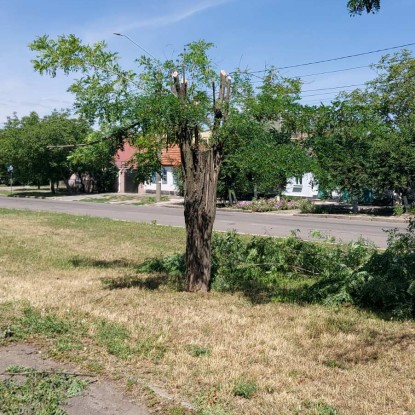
pixel 261 78
pixel 334 87
pixel 327 72
pixel 323 93
pixel 335 59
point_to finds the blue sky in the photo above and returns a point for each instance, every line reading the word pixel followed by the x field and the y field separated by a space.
pixel 249 34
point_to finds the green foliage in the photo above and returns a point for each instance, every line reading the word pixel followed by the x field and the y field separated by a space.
pixel 126 101
pixel 39 392
pixel 306 206
pixel 117 341
pixel 198 351
pixel 360 6
pixel 258 151
pixel 179 179
pixel 302 271
pixel 389 277
pixel 172 265
pixel 24 144
pixel 273 204
pixel 398 210
pixel 316 408
pixel 95 161
pixel 343 148
pixel 245 388
pixel 34 322
pixel 115 338
pixel 364 140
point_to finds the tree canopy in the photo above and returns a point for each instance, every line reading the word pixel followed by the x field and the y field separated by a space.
pixel 24 144
pixel 259 154
pixel 170 102
pixel 365 140
pixel 360 6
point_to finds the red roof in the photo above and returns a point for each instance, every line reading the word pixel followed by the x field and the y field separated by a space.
pixel 169 157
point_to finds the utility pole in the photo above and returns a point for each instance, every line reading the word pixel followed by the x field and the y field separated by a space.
pixel 10 170
pixel 158 185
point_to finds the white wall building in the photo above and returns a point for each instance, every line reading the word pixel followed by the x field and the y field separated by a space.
pixel 301 186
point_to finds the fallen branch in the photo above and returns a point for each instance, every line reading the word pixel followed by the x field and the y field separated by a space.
pixel 47 372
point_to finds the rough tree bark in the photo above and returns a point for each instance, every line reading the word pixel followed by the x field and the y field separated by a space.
pixel 201 172
pixel 200 166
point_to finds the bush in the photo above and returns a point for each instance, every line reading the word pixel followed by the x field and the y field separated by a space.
pixel 389 279
pixel 271 204
pixel 266 268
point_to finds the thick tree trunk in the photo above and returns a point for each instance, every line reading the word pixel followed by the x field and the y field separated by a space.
pixel 201 171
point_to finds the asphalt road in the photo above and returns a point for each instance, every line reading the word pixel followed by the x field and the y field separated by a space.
pixel 346 229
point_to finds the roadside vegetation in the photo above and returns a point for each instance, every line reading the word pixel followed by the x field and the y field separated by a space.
pixel 130 199
pixel 274 204
pixel 72 286
pixel 27 391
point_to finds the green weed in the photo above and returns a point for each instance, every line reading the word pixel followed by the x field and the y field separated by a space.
pixel 198 351
pixel 115 338
pixel 316 408
pixel 39 392
pixel 34 322
pixel 245 388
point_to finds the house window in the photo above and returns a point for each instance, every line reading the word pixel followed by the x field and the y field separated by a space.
pixel 298 181
pixel 163 176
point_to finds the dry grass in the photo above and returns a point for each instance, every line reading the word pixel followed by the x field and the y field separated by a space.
pixel 202 348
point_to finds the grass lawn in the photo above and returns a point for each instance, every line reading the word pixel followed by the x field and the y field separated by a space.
pixel 69 284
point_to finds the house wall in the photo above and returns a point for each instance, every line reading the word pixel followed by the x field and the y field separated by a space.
pixel 168 185
pixel 126 176
pixel 303 186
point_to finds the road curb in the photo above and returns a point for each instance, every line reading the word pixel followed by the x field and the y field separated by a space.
pixel 350 217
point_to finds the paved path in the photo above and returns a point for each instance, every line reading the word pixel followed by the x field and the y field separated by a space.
pixel 272 224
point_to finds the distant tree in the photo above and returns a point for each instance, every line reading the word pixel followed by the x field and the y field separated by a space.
pixel 259 154
pixel 392 95
pixel 366 138
pixel 24 144
pixel 342 146
pixel 261 160
pixel 95 162
pixel 360 6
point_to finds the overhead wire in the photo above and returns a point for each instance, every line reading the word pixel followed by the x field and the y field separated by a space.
pixel 333 59
pixel 333 87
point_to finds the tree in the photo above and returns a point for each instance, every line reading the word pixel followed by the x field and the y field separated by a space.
pixel 392 95
pixel 342 145
pixel 260 154
pixel 167 102
pixel 360 6
pixel 95 162
pixel 365 140
pixel 24 144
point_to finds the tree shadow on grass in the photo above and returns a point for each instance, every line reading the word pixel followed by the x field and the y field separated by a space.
pixel 38 194
pixel 134 281
pixel 171 270
pixel 85 262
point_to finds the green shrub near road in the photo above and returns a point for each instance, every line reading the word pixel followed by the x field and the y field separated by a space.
pixel 269 269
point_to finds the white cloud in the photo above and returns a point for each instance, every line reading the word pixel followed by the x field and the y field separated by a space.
pixel 125 24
